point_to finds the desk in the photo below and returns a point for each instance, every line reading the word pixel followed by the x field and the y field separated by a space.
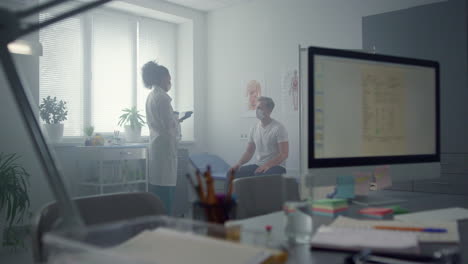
pixel 413 201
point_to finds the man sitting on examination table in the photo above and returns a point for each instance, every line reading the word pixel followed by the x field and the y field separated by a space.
pixel 269 139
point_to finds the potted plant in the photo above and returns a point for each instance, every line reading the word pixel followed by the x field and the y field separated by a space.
pixel 53 112
pixel 89 134
pixel 14 199
pixel 132 122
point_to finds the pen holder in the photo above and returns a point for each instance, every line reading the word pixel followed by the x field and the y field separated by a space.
pixel 218 213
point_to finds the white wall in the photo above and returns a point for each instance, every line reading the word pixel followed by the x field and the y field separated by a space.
pixel 261 38
pixel 14 138
pixel 185 66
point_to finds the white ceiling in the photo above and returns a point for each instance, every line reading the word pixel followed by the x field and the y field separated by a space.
pixel 210 5
pixel 207 5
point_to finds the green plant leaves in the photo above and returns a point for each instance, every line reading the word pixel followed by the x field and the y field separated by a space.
pixel 89 131
pixel 131 117
pixel 13 188
pixel 53 111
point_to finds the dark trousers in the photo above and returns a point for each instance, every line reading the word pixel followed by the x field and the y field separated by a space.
pixel 249 170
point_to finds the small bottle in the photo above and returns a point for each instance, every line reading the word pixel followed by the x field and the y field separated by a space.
pixel 298 224
pixel 269 238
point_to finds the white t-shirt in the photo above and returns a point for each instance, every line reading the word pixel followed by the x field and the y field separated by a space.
pixel 266 141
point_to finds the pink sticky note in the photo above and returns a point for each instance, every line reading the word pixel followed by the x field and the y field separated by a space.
pixel 361 183
pixel 382 177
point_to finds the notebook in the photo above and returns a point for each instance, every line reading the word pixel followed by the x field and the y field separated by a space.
pixel 167 246
pixel 344 238
pixel 451 236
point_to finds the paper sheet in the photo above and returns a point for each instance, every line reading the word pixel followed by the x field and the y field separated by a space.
pixel 451 236
pixel 441 215
pixel 166 246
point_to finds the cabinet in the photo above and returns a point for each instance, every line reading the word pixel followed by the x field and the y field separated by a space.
pixel 436 32
pixel 111 169
pixel 454 176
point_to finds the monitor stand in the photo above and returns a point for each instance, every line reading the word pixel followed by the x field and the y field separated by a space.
pixel 376 200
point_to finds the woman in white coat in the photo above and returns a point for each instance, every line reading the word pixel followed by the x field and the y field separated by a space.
pixel 163 133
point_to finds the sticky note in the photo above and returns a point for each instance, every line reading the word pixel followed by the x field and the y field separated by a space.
pixel 345 187
pixel 362 182
pixel 398 209
pixel 382 177
pixel 376 211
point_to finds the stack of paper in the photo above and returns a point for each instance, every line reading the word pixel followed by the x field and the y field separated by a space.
pixel 330 207
pixel 342 238
pixel 166 246
pixel 377 213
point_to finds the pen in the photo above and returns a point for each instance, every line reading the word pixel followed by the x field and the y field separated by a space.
pixel 414 229
pixel 230 186
pixel 210 192
pixel 196 188
pixel 211 200
pixel 199 186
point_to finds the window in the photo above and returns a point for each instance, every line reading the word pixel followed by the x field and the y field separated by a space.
pixel 113 38
pixel 152 46
pixel 61 68
pixel 94 63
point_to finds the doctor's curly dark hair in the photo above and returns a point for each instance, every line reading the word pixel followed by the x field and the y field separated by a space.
pixel 152 73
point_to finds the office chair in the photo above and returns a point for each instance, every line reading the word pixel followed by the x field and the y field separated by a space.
pixel 259 195
pixel 95 210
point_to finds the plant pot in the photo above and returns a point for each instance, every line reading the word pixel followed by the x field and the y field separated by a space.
pixel 132 134
pixel 54 132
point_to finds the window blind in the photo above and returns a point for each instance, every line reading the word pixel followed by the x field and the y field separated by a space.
pixel 113 38
pixel 156 42
pixel 61 68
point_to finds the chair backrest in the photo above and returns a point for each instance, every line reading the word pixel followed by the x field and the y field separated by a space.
pixel 259 195
pixel 96 210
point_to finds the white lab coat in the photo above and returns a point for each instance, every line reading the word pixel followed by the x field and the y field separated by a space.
pixel 163 138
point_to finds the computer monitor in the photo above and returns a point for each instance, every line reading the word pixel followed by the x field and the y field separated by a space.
pixel 360 110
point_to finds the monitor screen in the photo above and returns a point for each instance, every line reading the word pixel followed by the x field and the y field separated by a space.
pixel 366 109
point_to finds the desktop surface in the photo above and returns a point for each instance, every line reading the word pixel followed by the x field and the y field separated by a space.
pixel 413 201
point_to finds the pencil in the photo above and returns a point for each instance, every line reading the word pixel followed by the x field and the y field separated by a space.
pixel 413 229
